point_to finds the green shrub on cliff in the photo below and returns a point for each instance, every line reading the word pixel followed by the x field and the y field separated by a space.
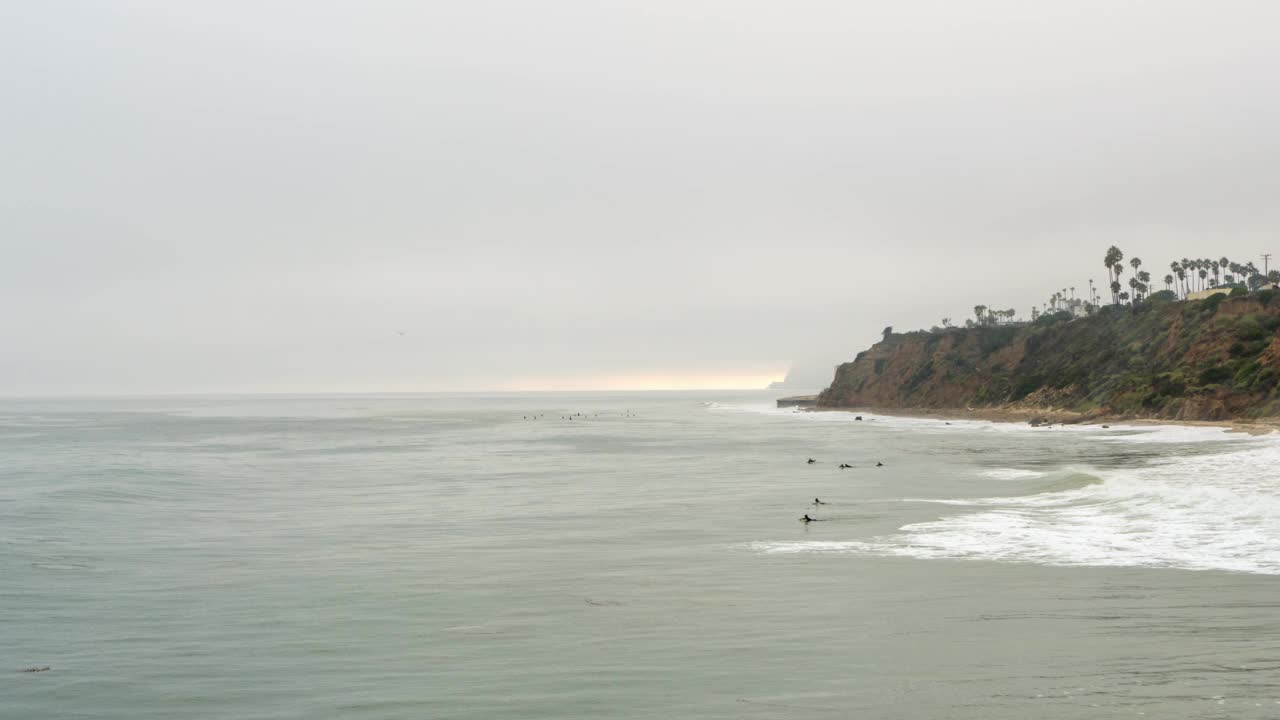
pixel 1052 318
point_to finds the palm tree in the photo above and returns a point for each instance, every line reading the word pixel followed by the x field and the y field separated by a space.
pixel 1168 282
pixel 1254 279
pixel 1144 278
pixel 980 311
pixel 1203 274
pixel 1112 261
pixel 1115 291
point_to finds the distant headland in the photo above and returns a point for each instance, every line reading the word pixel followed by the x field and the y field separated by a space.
pixel 1205 348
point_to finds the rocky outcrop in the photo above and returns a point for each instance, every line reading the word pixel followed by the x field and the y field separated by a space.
pixel 1214 359
pixel 798 401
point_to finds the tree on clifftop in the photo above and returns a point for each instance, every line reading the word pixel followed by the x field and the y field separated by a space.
pixel 1112 262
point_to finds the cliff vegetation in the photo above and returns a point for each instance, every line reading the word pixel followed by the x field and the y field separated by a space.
pixel 1158 357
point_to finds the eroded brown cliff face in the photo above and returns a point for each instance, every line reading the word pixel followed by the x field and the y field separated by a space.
pixel 1207 360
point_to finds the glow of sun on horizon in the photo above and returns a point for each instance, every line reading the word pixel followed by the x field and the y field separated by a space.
pixel 647 381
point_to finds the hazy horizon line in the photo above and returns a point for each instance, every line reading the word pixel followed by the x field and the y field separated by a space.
pixel 364 393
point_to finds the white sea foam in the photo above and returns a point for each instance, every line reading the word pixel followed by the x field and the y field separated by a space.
pixel 1169 434
pixel 894 422
pixel 1013 474
pixel 1203 512
pixel 1113 433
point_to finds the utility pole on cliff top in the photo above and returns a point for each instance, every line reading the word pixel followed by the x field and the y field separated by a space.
pixel 1265 258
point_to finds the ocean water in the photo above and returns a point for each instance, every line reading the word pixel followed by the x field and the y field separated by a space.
pixel 449 556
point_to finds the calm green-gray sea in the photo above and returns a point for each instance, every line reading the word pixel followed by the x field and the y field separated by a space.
pixel 625 556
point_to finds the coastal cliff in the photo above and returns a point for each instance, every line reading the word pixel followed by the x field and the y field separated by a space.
pixel 1213 359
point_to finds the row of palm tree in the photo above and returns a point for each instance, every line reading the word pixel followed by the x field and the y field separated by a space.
pixel 986 316
pixel 1184 277
pixel 1065 300
pixel 1139 284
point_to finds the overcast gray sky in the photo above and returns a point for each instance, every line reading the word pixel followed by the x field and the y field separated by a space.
pixel 256 196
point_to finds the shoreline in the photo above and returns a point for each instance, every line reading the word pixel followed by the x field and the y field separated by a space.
pixel 1264 426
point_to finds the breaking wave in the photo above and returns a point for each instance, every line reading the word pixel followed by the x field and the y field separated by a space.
pixel 1119 434
pixel 1013 474
pixel 1206 511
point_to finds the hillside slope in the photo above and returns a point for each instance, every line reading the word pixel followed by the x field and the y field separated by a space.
pixel 1212 359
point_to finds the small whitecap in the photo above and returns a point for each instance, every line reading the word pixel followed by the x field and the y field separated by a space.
pixel 1013 474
